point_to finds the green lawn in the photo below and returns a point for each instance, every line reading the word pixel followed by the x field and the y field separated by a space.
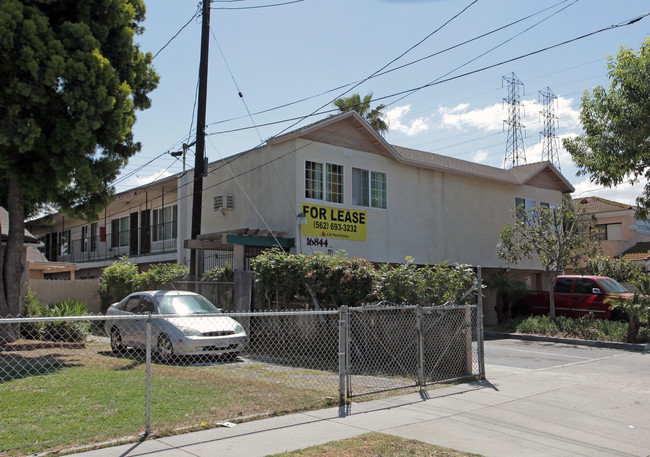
pixel 57 399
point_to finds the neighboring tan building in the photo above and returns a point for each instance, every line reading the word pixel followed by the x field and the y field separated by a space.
pixel 622 234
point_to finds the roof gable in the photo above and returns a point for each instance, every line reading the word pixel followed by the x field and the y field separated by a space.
pixel 349 130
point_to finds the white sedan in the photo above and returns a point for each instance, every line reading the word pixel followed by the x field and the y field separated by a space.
pixel 197 329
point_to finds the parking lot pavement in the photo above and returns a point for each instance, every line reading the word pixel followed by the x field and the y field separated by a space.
pixel 539 400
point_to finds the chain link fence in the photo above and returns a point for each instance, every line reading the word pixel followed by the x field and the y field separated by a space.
pixel 84 381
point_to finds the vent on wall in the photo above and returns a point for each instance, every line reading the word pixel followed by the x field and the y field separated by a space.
pixel 224 203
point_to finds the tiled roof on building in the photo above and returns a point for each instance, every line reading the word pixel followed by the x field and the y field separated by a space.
pixel 640 251
pixel 594 205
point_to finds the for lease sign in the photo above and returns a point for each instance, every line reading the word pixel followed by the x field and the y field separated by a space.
pixel 326 222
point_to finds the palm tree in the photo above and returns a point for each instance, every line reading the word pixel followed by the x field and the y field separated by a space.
pixel 374 117
pixel 508 292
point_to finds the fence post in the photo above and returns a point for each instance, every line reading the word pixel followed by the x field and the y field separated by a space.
pixel 420 337
pixel 343 355
pixel 147 426
pixel 479 322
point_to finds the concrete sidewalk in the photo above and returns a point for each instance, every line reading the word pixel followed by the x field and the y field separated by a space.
pixel 599 408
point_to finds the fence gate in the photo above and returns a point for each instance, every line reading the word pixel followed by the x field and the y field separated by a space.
pixel 388 348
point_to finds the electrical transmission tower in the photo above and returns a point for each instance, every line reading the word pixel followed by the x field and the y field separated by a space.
pixel 549 139
pixel 515 153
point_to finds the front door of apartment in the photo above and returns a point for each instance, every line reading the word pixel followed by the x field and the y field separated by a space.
pixel 133 234
pixel 145 231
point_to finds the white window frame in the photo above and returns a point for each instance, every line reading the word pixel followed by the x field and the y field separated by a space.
pixel 165 227
pixel 370 196
pixel 314 180
pixel 334 189
pixel 123 236
pixel 319 184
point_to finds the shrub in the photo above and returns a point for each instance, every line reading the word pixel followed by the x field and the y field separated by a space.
pixel 33 308
pixel 219 274
pixel 339 280
pixel 122 278
pixel 69 331
pixel 160 275
pixel 586 328
pixel 280 277
pixel 426 285
pixel 117 281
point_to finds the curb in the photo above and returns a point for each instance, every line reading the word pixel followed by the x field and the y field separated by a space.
pixel 550 339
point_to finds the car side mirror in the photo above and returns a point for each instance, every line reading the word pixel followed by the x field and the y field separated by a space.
pixel 596 290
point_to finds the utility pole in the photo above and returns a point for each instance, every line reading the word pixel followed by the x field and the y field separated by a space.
pixel 199 168
pixel 515 152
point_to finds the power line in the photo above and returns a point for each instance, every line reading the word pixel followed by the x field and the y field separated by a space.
pixel 382 73
pixel 256 7
pixel 196 13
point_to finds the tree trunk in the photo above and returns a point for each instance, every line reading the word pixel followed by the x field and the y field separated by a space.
pixel 551 296
pixel 12 293
pixel 633 326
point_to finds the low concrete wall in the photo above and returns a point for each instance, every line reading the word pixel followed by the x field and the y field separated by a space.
pixel 52 291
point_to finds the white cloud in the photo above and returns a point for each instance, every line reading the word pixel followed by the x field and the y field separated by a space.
pixel 137 180
pixel 491 117
pixel 480 156
pixel 394 117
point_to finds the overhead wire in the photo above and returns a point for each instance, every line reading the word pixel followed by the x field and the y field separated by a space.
pixel 493 48
pixel 621 24
pixel 257 6
pixel 241 97
pixel 378 74
pixel 383 67
pixel 196 13
pixel 382 73
pixel 442 81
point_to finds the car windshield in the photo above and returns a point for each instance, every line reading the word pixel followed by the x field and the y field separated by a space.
pixel 185 304
pixel 611 286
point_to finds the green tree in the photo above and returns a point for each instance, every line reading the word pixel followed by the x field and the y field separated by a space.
pixel 374 117
pixel 557 237
pixel 617 268
pixel 71 78
pixel 636 308
pixel 615 146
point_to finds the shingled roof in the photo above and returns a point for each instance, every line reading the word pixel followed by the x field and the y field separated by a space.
pixel 4 229
pixel 595 205
pixel 325 131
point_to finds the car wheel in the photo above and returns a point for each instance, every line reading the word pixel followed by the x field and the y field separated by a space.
pixel 117 347
pixel 164 348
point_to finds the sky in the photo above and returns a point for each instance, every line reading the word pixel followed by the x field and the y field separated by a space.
pixel 290 59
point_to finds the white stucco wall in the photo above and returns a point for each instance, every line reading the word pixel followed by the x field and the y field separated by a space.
pixel 431 216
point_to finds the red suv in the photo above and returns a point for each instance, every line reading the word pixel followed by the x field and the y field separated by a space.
pixel 577 296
